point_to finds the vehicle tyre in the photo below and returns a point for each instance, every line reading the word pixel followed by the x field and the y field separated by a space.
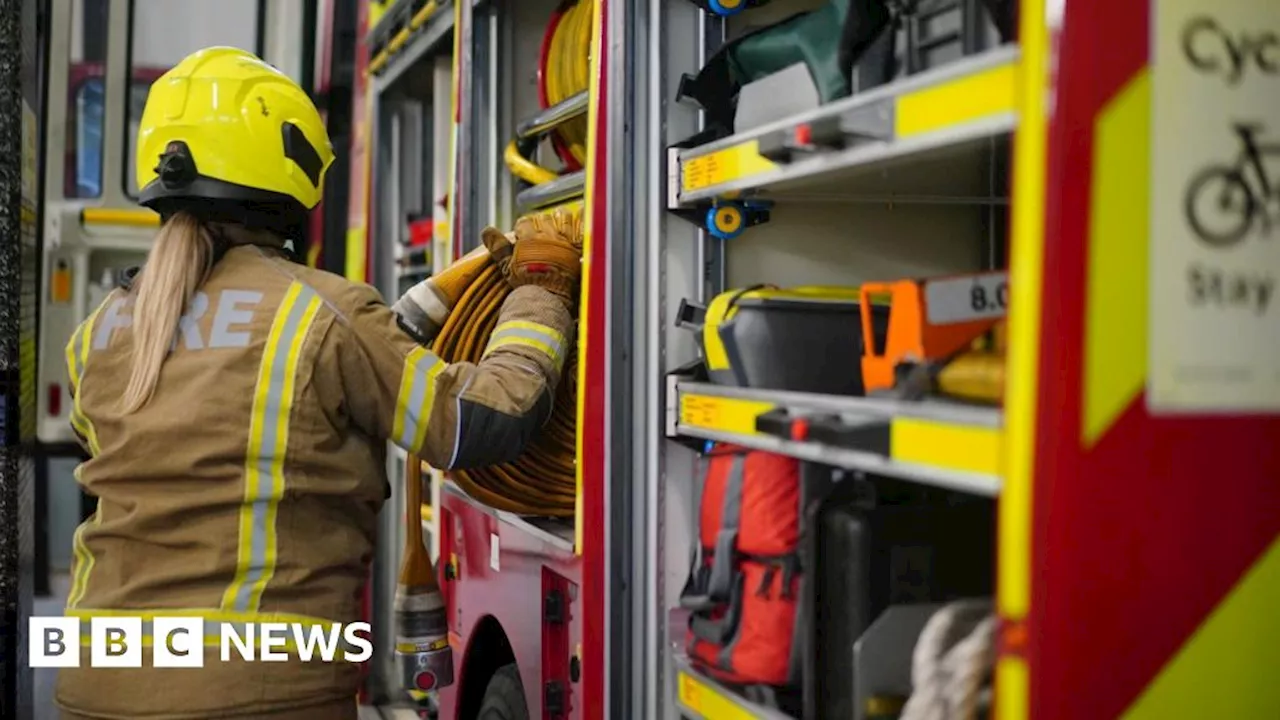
pixel 504 696
pixel 1220 207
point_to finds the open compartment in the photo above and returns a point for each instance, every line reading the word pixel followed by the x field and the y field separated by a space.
pixel 849 199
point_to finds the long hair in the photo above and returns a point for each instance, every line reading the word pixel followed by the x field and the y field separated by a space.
pixel 178 264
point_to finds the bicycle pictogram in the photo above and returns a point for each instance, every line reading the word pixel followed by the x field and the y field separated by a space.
pixel 1223 202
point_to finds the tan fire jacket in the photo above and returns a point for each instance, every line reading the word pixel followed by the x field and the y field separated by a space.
pixel 247 489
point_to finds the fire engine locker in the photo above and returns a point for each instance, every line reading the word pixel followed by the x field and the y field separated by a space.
pixel 890 182
pixel 538 602
pixel 987 128
pixel 411 131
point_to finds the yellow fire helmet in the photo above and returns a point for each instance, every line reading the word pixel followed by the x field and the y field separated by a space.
pixel 225 134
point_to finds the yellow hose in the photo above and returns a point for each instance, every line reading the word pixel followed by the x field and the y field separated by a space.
pixel 542 481
pixel 567 73
pixel 524 168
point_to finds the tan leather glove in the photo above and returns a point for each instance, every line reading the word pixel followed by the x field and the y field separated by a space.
pixel 546 252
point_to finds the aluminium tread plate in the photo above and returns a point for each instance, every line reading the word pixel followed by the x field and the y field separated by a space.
pixel 702 698
pixel 954 108
pixel 938 443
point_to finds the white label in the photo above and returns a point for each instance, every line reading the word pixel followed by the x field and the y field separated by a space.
pixel 1214 327
pixel 494 552
pixel 965 299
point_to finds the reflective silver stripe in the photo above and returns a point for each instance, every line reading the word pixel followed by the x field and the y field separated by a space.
pixel 415 399
pixel 268 443
pixel 529 334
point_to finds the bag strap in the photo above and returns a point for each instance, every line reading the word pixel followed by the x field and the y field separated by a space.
pixel 720 583
pixel 693 594
pixel 720 630
pixel 705 587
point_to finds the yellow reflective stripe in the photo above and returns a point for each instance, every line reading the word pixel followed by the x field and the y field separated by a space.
pixel 209 614
pixel 416 397
pixel 268 443
pixel 77 359
pixel 440 644
pixel 1026 233
pixel 84 558
pixel 80 424
pixel 213 620
pixel 542 338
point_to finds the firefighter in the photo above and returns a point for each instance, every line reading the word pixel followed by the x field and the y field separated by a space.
pixel 236 404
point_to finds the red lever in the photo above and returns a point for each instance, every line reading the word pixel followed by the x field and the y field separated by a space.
pixel 800 429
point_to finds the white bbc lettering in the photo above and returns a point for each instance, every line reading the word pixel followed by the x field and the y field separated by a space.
pixel 115 642
pixel 274 635
pixel 307 638
pixel 243 643
pixel 177 642
pixel 357 636
pixel 53 642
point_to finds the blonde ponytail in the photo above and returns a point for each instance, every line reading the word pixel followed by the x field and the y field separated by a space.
pixel 177 266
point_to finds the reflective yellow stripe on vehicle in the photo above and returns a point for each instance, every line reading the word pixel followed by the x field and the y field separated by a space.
pixel 529 334
pixel 268 442
pixel 417 395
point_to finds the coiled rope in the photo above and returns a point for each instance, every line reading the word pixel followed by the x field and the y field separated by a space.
pixel 543 480
pixel 564 70
pixel 952 663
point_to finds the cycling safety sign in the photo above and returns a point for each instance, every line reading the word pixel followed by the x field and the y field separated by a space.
pixel 1214 344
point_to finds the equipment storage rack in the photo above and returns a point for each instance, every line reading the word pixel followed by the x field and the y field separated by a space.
pixel 526 595
pixel 1138 532
pixel 403 131
pixel 1136 546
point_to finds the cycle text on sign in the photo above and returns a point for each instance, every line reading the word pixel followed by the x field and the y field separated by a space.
pixel 1211 48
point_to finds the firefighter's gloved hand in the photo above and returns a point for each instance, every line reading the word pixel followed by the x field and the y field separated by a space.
pixel 427 305
pixel 544 253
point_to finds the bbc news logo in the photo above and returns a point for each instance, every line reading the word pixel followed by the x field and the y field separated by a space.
pixel 180 642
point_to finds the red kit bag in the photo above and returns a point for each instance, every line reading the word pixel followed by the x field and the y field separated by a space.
pixel 744 583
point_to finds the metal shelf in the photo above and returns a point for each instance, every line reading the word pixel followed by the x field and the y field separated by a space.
pixel 562 189
pixel 914 137
pixel 702 698
pixel 571 107
pixel 411 44
pixel 944 444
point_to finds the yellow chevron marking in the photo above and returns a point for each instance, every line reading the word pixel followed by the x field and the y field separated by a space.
pixel 1012 687
pixel 1227 669
pixel 1115 332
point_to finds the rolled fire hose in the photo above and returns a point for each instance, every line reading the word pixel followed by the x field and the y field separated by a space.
pixel 543 480
pixel 564 70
